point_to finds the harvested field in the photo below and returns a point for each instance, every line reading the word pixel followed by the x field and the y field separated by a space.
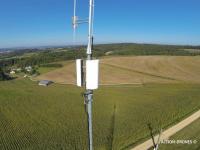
pixel 136 70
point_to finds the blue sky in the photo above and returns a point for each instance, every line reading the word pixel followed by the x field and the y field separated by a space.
pixel 48 22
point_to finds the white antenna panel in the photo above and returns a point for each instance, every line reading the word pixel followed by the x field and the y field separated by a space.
pixel 79 72
pixel 92 74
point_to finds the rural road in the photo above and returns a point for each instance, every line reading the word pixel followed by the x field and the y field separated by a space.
pixel 169 132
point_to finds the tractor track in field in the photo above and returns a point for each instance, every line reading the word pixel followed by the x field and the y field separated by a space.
pixel 143 73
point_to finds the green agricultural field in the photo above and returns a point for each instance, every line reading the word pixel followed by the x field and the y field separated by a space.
pixel 51 67
pixel 35 117
pixel 191 132
pixel 43 70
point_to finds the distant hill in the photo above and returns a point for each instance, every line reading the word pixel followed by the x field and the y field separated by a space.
pixel 32 57
pixel 146 49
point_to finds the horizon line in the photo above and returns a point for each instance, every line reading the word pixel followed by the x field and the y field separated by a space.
pixel 100 43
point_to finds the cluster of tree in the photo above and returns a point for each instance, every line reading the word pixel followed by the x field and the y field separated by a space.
pixel 3 76
pixel 32 72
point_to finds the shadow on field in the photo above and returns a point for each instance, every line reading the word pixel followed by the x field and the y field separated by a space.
pixel 112 128
pixel 152 136
pixel 155 143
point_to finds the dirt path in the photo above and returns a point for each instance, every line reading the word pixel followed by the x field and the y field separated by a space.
pixel 169 132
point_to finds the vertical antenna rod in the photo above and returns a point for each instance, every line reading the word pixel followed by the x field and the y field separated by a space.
pixel 89 93
pixel 74 20
pixel 74 8
pixel 90 34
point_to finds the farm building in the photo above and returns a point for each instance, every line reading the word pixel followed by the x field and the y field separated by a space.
pixel 45 82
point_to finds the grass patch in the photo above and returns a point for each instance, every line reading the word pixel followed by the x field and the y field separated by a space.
pixel 45 68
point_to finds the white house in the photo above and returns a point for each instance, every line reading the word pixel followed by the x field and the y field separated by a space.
pixel 29 68
pixel 12 72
